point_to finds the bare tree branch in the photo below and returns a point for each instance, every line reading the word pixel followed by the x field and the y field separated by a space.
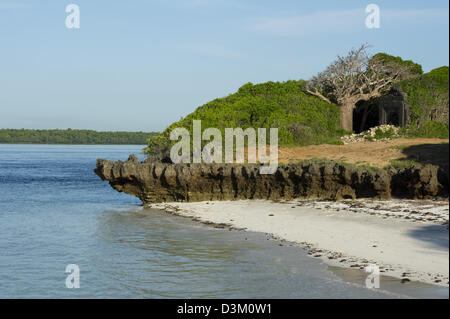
pixel 319 95
pixel 355 77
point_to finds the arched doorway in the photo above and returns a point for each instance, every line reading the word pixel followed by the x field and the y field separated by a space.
pixel 393 118
pixel 365 115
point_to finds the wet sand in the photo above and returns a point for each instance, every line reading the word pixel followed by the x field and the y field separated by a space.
pixel 407 240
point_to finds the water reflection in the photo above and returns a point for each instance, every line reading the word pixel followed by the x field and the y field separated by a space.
pixel 154 254
pixel 55 211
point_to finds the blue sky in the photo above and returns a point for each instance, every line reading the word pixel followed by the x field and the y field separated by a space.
pixel 140 65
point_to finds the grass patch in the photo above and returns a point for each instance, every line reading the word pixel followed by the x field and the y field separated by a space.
pixel 432 129
pixel 367 167
pixel 398 164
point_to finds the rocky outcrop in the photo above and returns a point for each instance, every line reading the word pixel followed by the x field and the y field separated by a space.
pixel 154 182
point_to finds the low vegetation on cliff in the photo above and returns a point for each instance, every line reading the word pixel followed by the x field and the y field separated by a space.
pixel 305 116
pixel 301 119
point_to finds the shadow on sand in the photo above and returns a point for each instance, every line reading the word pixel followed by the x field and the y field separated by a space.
pixel 436 236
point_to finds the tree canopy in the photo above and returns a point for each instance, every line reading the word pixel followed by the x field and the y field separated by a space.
pixel 359 76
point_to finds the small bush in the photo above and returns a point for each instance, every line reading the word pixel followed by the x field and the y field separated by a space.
pixel 431 129
pixel 380 134
pixel 398 164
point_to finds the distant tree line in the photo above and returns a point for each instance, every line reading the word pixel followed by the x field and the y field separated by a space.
pixel 70 136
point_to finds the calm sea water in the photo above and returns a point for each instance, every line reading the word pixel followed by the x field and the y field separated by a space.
pixel 55 211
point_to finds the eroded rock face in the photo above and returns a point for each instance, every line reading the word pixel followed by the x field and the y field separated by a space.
pixel 162 182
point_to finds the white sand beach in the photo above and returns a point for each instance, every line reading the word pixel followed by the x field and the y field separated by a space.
pixel 406 239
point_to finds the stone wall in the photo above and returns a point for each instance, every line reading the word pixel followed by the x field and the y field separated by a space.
pixel 394 108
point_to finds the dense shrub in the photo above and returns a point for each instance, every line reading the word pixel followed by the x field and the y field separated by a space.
pixel 428 97
pixel 301 119
pixel 380 134
pixel 430 129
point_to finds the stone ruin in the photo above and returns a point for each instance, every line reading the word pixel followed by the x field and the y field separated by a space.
pixel 393 108
pixel 390 109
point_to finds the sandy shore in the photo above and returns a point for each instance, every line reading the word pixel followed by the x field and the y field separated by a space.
pixel 406 239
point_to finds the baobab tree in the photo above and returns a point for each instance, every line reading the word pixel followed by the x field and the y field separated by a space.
pixel 354 77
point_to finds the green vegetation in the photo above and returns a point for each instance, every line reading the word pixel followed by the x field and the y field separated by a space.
pixel 301 119
pixel 304 119
pixel 70 136
pixel 414 68
pixel 367 167
pixel 427 95
pixel 380 134
pixel 359 165
pixel 398 164
pixel 431 129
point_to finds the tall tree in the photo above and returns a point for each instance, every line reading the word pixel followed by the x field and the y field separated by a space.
pixel 354 77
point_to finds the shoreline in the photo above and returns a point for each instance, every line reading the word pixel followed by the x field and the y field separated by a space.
pixel 407 239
